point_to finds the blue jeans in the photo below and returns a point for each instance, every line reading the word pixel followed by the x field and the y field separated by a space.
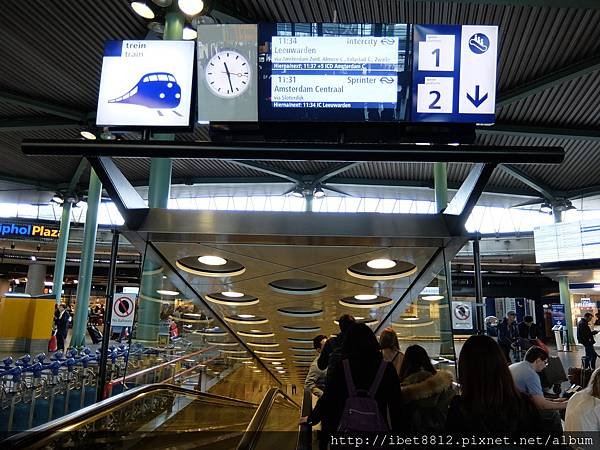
pixel 590 354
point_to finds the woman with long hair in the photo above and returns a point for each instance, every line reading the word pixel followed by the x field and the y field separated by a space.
pixel 583 409
pixel 426 392
pixel 360 352
pixel 390 349
pixel 489 400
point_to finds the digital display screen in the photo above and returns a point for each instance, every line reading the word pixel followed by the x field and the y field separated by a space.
pixel 334 72
pixel 567 241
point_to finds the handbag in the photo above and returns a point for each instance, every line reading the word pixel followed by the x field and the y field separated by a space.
pixel 52 343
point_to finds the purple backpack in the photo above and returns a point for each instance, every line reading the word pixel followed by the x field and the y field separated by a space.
pixel 361 411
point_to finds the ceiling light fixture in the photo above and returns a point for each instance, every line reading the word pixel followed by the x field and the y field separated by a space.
pixel 432 298
pixel 319 193
pixel 58 199
pixel 87 135
pixel 142 10
pixel 210 260
pixel 381 263
pixel 167 292
pixel 365 297
pixel 191 7
pixel 189 33
pixel 232 294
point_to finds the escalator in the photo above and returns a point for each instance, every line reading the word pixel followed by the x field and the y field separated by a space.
pixel 162 416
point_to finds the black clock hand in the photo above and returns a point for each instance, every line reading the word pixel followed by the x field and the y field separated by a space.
pixel 228 76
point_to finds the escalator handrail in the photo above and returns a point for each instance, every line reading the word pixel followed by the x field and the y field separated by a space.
pixel 259 419
pixel 304 430
pixel 91 413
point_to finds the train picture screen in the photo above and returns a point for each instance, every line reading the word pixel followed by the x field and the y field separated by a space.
pixel 146 84
pixel 334 72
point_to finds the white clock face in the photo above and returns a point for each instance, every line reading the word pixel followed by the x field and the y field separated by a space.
pixel 228 74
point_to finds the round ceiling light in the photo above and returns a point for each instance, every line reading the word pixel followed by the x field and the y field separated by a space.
pixel 300 341
pixel 167 292
pixel 274 358
pixel 364 320
pixel 365 297
pixel 189 33
pixel 263 344
pixel 381 263
pixel 210 266
pixel 366 301
pixel 364 271
pixel 210 260
pixel 296 329
pixel 244 359
pixel 256 334
pixel 223 344
pixel 234 352
pixel 246 319
pixel 432 298
pixel 297 286
pixel 232 294
pixel 225 298
pixel 142 10
pixel 191 7
pixel 299 311
pixel 87 135
pixel 268 352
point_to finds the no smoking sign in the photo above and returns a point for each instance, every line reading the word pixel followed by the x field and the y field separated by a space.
pixel 123 310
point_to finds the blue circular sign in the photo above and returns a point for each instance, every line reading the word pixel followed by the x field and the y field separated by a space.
pixel 479 43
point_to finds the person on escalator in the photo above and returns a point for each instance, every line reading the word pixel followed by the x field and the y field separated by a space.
pixel 315 380
pixel 332 350
pixel 359 366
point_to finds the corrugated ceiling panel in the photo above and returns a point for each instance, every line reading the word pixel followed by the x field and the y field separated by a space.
pixel 12 111
pixel 60 56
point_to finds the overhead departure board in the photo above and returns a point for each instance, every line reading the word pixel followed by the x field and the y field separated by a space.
pixel 568 241
pixel 334 72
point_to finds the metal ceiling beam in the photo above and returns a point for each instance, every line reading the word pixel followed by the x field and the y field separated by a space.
pixel 332 172
pixel 575 4
pixel 546 191
pixel 542 132
pixel 266 151
pixel 590 191
pixel 37 123
pixel 281 173
pixel 563 75
pixel 42 106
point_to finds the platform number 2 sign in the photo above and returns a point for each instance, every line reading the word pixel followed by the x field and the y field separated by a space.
pixel 436 54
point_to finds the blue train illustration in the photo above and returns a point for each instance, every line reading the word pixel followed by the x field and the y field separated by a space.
pixel 158 90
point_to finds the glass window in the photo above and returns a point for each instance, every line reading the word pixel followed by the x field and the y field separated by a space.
pixel 153 77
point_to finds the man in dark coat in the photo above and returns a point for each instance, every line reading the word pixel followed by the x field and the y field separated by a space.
pixel 62 327
pixel 585 336
pixel 528 329
pixel 508 334
pixel 331 354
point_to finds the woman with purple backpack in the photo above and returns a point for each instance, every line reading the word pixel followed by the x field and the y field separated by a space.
pixel 362 391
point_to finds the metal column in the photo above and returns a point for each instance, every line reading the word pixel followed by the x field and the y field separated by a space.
pixel 158 197
pixel 478 287
pixel 110 296
pixel 87 261
pixel 61 251
pixel 441 202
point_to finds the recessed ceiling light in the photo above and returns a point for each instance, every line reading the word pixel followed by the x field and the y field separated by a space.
pixel 365 297
pixel 142 10
pixel 266 344
pixel 432 298
pixel 268 352
pixel 381 263
pixel 276 363
pixel 265 358
pixel 210 260
pixel 256 371
pixel 256 333
pixel 232 294
pixel 246 316
pixel 167 292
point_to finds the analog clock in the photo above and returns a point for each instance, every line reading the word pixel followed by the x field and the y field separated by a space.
pixel 228 74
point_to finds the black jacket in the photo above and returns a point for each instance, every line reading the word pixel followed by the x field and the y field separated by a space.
pixel 331 354
pixel 62 324
pixel 507 334
pixel 585 336
pixel 523 419
pixel 532 332
pixel 330 406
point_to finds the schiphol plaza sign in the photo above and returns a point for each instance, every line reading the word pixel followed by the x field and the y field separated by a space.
pixel 303 72
pixel 28 230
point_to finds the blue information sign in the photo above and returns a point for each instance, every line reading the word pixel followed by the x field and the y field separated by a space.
pixel 454 73
pixel 558 314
